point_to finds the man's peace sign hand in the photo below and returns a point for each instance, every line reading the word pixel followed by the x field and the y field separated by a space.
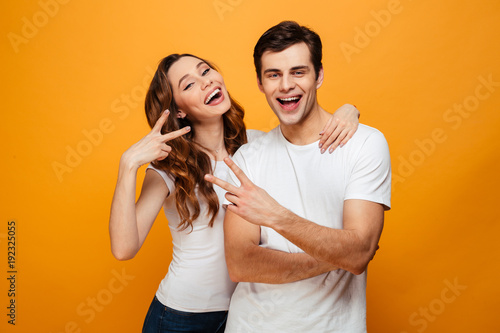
pixel 248 201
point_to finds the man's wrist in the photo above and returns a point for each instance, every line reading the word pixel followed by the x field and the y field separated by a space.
pixel 281 218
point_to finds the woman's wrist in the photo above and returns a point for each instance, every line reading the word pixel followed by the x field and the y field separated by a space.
pixel 127 164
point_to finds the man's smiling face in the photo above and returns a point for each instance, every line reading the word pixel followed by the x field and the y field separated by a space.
pixel 289 83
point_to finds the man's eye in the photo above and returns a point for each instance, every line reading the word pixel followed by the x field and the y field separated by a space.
pixel 188 86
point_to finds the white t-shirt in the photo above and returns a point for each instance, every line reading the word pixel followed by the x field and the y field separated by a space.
pixel 197 278
pixel 314 186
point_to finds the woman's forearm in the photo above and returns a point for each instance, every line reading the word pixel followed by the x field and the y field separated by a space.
pixel 123 228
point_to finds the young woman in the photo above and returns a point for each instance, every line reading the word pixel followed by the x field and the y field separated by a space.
pixel 203 125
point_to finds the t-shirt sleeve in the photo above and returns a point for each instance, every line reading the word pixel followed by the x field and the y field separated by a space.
pixel 166 177
pixel 370 178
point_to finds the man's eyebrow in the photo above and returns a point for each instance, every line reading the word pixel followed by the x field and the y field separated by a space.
pixel 274 70
pixel 271 70
pixel 185 76
pixel 303 67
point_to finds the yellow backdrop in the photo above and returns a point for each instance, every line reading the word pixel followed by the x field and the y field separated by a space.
pixel 74 75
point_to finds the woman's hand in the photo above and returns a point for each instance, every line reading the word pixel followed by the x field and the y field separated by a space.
pixel 153 147
pixel 340 128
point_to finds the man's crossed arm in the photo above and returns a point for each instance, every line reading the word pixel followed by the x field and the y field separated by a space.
pixel 326 249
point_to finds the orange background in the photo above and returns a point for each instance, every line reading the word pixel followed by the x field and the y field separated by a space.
pixel 74 75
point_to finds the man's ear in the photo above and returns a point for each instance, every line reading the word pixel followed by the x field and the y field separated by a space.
pixel 181 114
pixel 321 76
pixel 260 84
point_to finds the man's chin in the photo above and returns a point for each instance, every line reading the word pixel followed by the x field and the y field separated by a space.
pixel 288 121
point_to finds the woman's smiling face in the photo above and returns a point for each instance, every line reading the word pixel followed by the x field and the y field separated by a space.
pixel 199 90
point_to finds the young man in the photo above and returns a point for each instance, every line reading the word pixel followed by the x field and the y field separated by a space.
pixel 301 227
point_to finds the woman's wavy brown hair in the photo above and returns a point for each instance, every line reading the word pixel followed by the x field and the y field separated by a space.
pixel 187 162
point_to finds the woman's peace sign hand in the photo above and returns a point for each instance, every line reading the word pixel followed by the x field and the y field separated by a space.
pixel 152 147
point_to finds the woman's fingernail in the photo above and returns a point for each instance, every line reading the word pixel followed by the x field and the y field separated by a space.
pixel 320 145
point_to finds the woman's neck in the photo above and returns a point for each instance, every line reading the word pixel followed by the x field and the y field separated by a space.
pixel 211 138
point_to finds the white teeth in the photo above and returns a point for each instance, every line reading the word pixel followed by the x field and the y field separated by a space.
pixel 289 99
pixel 215 92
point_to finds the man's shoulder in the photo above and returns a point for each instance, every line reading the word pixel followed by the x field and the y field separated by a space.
pixel 365 133
pixel 365 130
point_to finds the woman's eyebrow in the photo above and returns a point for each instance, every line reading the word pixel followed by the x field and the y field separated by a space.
pixel 187 75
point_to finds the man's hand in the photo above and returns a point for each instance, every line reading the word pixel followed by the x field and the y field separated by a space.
pixel 250 202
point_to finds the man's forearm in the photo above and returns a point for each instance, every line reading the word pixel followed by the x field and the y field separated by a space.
pixel 350 248
pixel 262 265
pixel 339 247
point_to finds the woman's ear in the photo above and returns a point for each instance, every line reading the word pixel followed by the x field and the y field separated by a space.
pixel 181 114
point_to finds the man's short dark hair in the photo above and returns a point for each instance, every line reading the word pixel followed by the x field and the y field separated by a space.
pixel 284 35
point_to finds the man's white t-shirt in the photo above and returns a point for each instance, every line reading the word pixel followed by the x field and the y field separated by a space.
pixel 313 186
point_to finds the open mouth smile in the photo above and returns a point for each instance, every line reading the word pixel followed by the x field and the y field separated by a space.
pixel 289 103
pixel 215 97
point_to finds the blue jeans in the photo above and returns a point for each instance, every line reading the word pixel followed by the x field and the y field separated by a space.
pixel 162 319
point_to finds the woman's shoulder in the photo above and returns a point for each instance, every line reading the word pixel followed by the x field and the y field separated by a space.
pixel 167 177
pixel 256 140
pixel 253 134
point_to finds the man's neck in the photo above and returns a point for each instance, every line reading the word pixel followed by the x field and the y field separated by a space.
pixel 307 131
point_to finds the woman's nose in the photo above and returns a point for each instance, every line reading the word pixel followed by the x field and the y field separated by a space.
pixel 207 83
